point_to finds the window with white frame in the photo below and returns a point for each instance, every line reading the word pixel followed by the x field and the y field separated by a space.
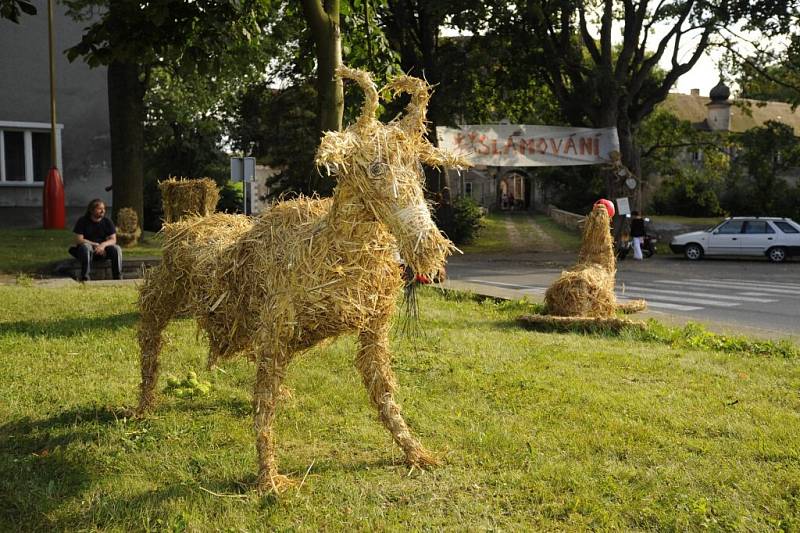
pixel 468 189
pixel 25 152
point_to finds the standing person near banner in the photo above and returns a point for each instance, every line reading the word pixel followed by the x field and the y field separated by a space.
pixel 95 240
pixel 637 234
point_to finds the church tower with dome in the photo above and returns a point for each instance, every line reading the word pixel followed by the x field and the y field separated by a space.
pixel 719 108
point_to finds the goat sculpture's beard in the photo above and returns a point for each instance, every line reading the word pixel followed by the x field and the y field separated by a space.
pixel 422 246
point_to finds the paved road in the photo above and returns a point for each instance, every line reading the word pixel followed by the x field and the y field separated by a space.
pixel 753 296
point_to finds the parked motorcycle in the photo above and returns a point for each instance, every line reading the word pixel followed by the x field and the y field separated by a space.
pixel 626 247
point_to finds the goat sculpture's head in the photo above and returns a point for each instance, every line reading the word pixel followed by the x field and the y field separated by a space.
pixel 379 166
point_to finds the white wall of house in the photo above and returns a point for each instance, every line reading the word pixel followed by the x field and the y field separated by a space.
pixel 84 158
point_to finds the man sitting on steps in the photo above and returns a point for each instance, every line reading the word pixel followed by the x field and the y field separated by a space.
pixel 95 240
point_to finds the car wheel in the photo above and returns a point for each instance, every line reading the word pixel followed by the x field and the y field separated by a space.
pixel 693 252
pixel 777 254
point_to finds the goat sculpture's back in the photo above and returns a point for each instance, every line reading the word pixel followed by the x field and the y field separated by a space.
pixel 309 269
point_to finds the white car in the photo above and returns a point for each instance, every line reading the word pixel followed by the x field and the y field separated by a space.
pixel 775 238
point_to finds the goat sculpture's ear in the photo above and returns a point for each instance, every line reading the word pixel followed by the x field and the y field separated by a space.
pixel 436 157
pixel 364 80
pixel 334 150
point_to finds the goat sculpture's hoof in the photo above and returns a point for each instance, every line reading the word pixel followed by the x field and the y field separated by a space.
pixel 275 483
pixel 422 459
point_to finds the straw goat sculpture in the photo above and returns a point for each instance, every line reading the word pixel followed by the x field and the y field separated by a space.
pixel 309 269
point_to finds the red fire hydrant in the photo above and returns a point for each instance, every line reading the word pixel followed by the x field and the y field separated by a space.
pixel 53 201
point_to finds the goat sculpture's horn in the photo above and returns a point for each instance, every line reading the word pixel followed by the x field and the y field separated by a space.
pixel 364 80
pixel 420 91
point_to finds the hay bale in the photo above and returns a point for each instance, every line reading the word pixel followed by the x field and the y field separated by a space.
pixel 128 230
pixel 587 289
pixel 563 324
pixel 587 292
pixel 188 197
pixel 634 306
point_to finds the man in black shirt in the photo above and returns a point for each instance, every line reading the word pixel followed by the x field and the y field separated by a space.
pixel 637 234
pixel 96 239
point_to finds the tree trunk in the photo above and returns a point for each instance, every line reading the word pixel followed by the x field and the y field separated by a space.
pixel 631 158
pixel 126 118
pixel 324 23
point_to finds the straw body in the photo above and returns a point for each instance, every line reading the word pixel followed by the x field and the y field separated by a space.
pixel 308 269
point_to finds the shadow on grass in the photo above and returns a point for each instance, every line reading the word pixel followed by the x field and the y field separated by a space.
pixel 39 469
pixel 69 326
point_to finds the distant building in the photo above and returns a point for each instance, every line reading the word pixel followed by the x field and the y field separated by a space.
pixel 716 112
pixel 83 139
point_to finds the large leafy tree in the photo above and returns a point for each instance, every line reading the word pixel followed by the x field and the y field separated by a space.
pixel 764 54
pixel 601 58
pixel 281 118
pixel 132 38
pixel 764 154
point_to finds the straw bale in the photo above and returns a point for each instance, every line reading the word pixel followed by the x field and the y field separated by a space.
pixel 634 306
pixel 309 269
pixel 587 292
pixel 587 289
pixel 128 230
pixel 571 324
pixel 187 197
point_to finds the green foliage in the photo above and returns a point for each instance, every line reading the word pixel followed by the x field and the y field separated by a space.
pixel 462 221
pixel 575 188
pixel 278 126
pixel 12 9
pixel 755 184
pixel 231 197
pixel 696 336
pixel 689 186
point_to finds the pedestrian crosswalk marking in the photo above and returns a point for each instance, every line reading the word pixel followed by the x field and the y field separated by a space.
pixel 726 285
pixel 683 299
pixel 744 298
pixel 759 284
pixel 682 295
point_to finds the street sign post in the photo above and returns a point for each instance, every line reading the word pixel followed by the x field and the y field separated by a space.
pixel 244 169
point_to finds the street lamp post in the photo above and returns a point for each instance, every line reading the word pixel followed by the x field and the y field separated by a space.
pixel 53 200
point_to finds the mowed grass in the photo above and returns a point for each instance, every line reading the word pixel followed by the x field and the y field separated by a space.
pixel 29 250
pixel 495 237
pixel 536 431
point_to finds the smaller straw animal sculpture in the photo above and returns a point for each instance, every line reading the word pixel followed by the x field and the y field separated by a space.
pixel 188 197
pixel 309 269
pixel 128 230
pixel 585 293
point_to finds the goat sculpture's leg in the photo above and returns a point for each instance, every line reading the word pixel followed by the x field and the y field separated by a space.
pixel 271 372
pixel 157 307
pixel 373 361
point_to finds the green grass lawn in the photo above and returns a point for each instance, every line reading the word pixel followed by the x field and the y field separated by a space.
pixel 494 238
pixel 671 430
pixel 30 250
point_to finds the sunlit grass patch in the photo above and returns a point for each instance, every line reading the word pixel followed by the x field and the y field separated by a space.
pixel 538 431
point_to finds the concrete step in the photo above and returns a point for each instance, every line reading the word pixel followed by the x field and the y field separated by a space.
pixel 131 268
